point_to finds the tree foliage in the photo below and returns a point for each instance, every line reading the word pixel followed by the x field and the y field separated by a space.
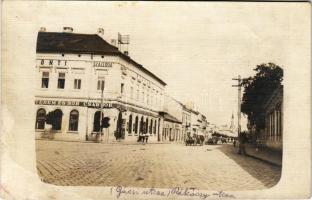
pixel 258 89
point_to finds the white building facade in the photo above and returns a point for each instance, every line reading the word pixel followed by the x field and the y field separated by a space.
pixel 71 71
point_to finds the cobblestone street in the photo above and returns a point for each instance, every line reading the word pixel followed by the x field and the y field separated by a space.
pixel 210 167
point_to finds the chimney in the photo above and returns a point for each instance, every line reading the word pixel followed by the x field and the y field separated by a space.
pixel 42 29
pixel 114 42
pixel 68 29
pixel 101 31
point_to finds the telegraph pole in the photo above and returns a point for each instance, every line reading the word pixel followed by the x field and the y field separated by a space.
pixel 101 117
pixel 239 86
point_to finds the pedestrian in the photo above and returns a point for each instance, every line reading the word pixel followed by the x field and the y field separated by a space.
pixel 141 137
pixel 146 138
pixel 242 142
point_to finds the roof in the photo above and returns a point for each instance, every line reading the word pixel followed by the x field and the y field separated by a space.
pixel 61 42
pixel 170 118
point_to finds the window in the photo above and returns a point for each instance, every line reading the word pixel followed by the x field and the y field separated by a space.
pixel 122 88
pixel 143 96
pixel 73 120
pixel 40 118
pixel 100 84
pixel 45 80
pixel 131 92
pixel 151 127
pixel 135 128
pixel 77 84
pixel 130 125
pixel 155 127
pixel 137 94
pixel 61 81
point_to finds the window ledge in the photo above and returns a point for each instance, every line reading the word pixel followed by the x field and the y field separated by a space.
pixel 76 132
pixel 56 131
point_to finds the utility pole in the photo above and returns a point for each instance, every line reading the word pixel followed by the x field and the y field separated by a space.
pixel 101 117
pixel 239 86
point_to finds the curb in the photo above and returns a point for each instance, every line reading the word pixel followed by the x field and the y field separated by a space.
pixel 261 159
pixel 264 160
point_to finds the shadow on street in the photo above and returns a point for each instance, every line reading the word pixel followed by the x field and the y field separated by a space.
pixel 262 171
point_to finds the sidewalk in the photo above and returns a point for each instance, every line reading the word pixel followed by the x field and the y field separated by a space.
pixel 104 142
pixel 264 154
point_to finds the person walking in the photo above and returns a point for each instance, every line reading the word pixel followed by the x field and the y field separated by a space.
pixel 146 138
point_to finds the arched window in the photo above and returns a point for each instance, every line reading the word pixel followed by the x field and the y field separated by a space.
pixel 57 125
pixel 146 126
pixel 73 120
pixel 130 125
pixel 119 128
pixel 155 125
pixel 135 128
pixel 40 118
pixel 141 125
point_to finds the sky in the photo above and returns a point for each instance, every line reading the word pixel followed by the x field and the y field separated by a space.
pixel 196 48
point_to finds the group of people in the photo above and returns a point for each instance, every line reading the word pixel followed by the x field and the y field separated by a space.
pixel 143 137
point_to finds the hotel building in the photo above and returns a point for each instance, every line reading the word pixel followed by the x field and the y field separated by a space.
pixel 72 69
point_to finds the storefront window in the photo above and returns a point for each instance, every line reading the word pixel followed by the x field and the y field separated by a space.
pixel 57 121
pixel 130 125
pixel 155 126
pixel 151 127
pixel 73 120
pixel 136 125
pixel 40 118
pixel 146 126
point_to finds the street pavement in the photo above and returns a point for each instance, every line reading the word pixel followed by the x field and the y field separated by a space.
pixel 208 167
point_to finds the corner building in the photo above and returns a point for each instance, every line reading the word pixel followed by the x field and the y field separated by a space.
pixel 71 68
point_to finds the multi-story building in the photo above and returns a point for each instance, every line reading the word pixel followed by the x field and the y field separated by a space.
pixel 77 74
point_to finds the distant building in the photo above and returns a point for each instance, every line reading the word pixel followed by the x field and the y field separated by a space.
pixel 172 117
pixel 186 121
pixel 171 128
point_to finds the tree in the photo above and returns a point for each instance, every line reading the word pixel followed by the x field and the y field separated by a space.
pixel 258 89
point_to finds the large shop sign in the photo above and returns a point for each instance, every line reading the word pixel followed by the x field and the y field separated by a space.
pixel 91 104
pixel 102 64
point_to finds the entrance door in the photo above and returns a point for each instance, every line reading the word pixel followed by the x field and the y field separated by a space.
pixel 97 121
pixel 57 125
